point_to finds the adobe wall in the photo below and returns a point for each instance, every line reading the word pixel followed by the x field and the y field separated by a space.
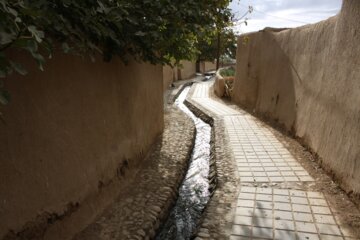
pixel 210 66
pixel 308 79
pixel 206 66
pixel 169 76
pixel 187 70
pixel 219 85
pixel 70 131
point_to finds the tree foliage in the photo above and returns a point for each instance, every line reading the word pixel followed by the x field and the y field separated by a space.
pixel 208 47
pixel 155 31
pixel 222 39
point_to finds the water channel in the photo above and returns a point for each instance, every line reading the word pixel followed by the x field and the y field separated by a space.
pixel 193 192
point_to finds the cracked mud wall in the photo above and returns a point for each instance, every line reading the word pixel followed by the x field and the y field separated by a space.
pixel 69 132
pixel 308 79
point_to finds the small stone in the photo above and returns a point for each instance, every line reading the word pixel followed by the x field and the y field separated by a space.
pixel 138 237
pixel 141 233
pixel 204 230
pixel 156 209
pixel 203 234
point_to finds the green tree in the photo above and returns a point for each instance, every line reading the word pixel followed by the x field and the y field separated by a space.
pixel 220 41
pixel 209 47
pixel 155 31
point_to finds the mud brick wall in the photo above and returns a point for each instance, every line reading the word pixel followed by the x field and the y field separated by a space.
pixel 69 132
pixel 308 79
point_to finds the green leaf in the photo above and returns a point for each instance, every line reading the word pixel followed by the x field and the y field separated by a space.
pixel 18 68
pixel 32 47
pixel 140 33
pixel 4 97
pixel 2 74
pixel 48 47
pixel 13 12
pixel 39 59
pixel 65 47
pixel 153 31
pixel 21 43
pixel 39 35
pixel 6 38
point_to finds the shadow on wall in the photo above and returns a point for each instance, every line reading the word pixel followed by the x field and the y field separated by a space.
pixel 170 75
pixel 265 79
pixel 307 78
pixel 71 131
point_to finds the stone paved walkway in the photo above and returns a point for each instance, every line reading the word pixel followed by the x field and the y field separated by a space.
pixel 267 207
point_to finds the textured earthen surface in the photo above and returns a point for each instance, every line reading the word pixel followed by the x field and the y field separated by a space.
pixel 71 132
pixel 307 79
pixel 210 66
pixel 219 85
pixel 187 70
pixel 206 66
pixel 169 76
pixel 146 201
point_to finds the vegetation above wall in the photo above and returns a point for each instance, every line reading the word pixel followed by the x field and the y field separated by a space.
pixel 208 47
pixel 221 43
pixel 228 72
pixel 155 31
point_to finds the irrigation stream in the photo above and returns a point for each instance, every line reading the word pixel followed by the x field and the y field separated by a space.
pixel 193 192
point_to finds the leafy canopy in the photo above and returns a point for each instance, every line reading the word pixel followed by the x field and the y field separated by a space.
pixel 155 31
pixel 208 47
pixel 221 40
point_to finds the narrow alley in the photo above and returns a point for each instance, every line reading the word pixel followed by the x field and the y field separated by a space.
pixel 180 120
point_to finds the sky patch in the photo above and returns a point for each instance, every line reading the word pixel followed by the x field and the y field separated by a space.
pixel 282 13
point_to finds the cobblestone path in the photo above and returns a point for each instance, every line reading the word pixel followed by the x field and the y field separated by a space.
pixel 148 193
pixel 270 202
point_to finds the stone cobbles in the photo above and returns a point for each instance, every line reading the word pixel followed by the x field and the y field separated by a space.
pixel 146 202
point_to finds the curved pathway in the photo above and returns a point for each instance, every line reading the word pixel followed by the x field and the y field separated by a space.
pixel 273 197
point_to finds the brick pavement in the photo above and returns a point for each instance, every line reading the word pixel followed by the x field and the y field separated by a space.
pixel 264 208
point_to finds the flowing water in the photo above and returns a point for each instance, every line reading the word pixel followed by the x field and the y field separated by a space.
pixel 193 192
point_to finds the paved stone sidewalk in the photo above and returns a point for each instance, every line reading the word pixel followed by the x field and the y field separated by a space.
pixel 260 157
pixel 267 207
